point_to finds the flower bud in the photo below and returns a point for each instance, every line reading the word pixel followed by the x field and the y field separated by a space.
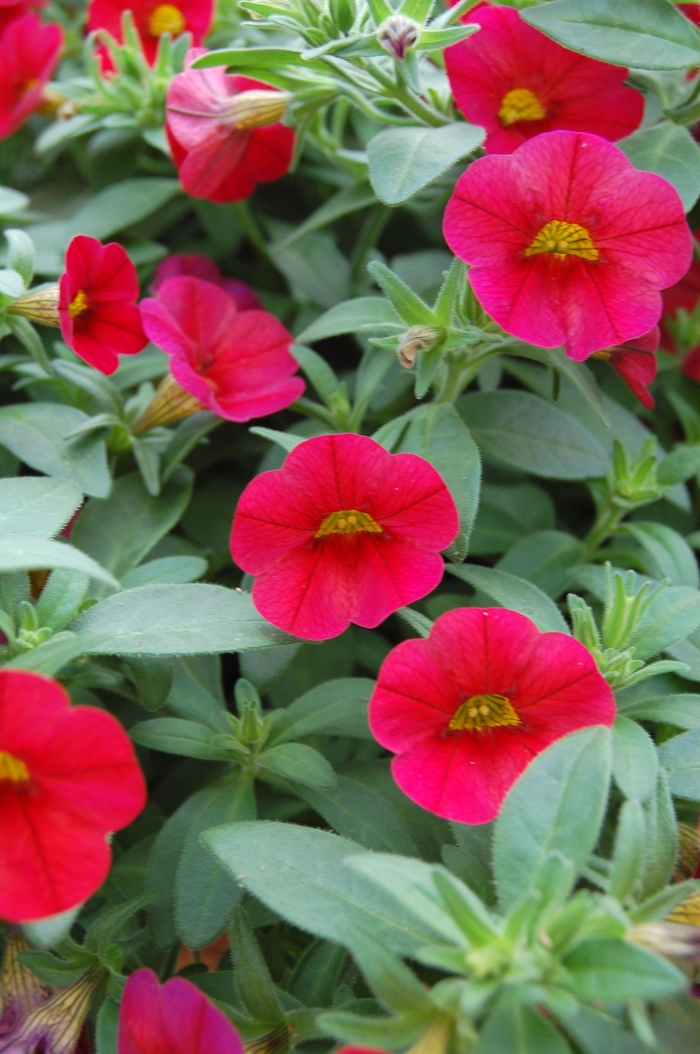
pixel 38 305
pixel 417 338
pixel 397 34
pixel 257 107
pixel 169 404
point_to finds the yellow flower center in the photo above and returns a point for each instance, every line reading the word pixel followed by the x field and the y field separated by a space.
pixel 521 104
pixel 348 522
pixel 484 711
pixel 78 304
pixel 563 239
pixel 166 18
pixel 12 769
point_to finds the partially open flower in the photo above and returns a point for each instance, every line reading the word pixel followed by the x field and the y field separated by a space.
pixel 152 18
pixel 224 132
pixel 29 52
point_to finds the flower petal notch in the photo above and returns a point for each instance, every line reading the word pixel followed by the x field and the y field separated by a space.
pixel 151 18
pixel 467 709
pixel 343 532
pixel 224 132
pixel 68 776
pixel 235 363
pixel 517 83
pixel 29 53
pixel 175 1017
pixel 568 243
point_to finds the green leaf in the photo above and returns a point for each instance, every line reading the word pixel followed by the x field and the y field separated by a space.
pixel 389 978
pixel 405 302
pixel 543 813
pixel 508 513
pixel 204 891
pixel 347 200
pixel 12 201
pixel 524 431
pixel 671 616
pixel 404 160
pixel 661 837
pixel 60 598
pixel 520 1030
pixel 300 763
pixel 669 150
pixel 172 735
pixel 36 434
pixel 671 556
pixel 20 253
pixel 35 554
pixel 680 756
pixel 120 531
pixel 336 707
pixel 321 375
pixel 614 971
pixel 452 451
pixel 682 463
pixel 107 1027
pixel 683 711
pixel 543 559
pixel 33 507
pixel 360 813
pixel 514 593
pixel 300 873
pixel 316 270
pixel 367 314
pixel 635 762
pixel 168 570
pixel 178 620
pixel 51 656
pixel 253 979
pixel 628 853
pixel 238 58
pixel 196 691
pixel 596 1032
pixel 646 34
pixel 152 677
pixel 284 439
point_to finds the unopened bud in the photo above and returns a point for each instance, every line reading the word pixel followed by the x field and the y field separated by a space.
pixel 38 305
pixel 169 404
pixel 397 34
pixel 417 338
pixel 670 939
pixel 257 107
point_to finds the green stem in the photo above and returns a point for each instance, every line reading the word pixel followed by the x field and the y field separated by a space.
pixel 607 522
pixel 408 99
pixel 309 408
pixel 369 236
pixel 252 229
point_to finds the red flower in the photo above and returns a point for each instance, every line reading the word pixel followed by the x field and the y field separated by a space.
pixel 68 776
pixel 29 51
pixel 636 363
pixel 220 132
pixel 684 294
pixel 152 18
pixel 175 1018
pixel 343 532
pixel 468 708
pixel 198 266
pixel 515 82
pixel 237 363
pixel 691 11
pixel 569 244
pixel 15 9
pixel 97 303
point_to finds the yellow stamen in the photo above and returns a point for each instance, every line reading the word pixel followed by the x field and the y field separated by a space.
pixel 349 521
pixel 484 711
pixel 166 18
pixel 12 769
pixel 78 304
pixel 257 107
pixel 563 239
pixel 521 104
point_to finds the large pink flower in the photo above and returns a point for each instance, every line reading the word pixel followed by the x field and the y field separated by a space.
pixel 468 708
pixel 516 82
pixel 568 242
pixel 343 532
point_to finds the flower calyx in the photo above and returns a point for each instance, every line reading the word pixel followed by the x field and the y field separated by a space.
pixel 256 108
pixel 38 305
pixel 169 404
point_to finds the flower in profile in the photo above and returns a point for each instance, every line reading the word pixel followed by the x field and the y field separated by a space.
pixel 68 777
pixel 174 1018
pixel 29 52
pixel 568 243
pixel 636 363
pixel 343 532
pixel 198 266
pixel 467 709
pixel 152 18
pixel 235 363
pixel 224 132
pixel 516 83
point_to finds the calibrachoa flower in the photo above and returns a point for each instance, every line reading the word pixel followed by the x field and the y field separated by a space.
pixel 568 242
pixel 224 132
pixel 9 11
pixel 235 363
pixel 29 52
pixel 152 18
pixel 94 303
pixel 516 83
pixel 175 1018
pixel 468 708
pixel 684 295
pixel 198 266
pixel 343 532
pixel 636 363
pixel 68 776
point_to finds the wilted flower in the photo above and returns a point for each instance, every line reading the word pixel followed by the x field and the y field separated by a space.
pixel 343 532
pixel 29 52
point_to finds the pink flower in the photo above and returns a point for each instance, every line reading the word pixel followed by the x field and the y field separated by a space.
pixel 468 708
pixel 343 532
pixel 567 242
pixel 236 363
pixel 174 1018
pixel 29 52
pixel 636 363
pixel 224 132
pixel 198 266
pixel 515 82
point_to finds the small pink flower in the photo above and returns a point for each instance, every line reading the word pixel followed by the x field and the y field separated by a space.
pixel 198 266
